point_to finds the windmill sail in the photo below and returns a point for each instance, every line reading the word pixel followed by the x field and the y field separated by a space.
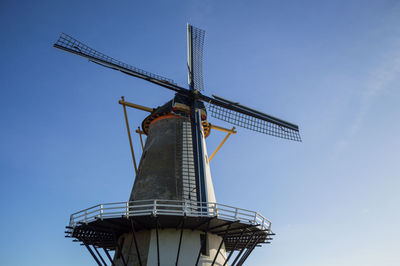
pixel 195 41
pixel 249 118
pixel 195 57
pixel 69 44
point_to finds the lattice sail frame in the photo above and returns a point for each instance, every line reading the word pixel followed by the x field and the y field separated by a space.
pixel 197 57
pixel 253 123
pixel 73 45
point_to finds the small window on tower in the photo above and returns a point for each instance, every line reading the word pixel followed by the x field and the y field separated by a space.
pixel 204 244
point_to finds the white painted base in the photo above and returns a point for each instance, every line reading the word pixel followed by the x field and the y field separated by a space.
pixel 168 248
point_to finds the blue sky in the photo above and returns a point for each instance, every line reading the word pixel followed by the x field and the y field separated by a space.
pixel 330 66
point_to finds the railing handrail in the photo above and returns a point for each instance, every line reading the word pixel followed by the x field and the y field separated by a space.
pixel 172 207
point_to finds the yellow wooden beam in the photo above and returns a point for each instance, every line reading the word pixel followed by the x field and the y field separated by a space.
pixel 137 106
pixel 140 135
pixel 129 135
pixel 230 131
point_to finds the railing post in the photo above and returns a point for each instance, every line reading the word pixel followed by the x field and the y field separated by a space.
pixel 155 207
pixel 86 217
pixel 71 220
pixel 185 207
pixel 127 209
pixel 255 218
pixel 215 209
pixel 263 223
pixel 236 213
pixel 101 212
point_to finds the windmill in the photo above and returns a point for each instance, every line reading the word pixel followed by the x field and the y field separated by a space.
pixel 171 216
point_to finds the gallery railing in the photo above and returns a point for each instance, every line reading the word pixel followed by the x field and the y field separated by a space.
pixel 169 207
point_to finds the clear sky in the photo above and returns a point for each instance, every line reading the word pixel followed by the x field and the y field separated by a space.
pixel 332 67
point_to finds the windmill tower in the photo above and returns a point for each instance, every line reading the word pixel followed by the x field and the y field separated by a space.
pixel 171 217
